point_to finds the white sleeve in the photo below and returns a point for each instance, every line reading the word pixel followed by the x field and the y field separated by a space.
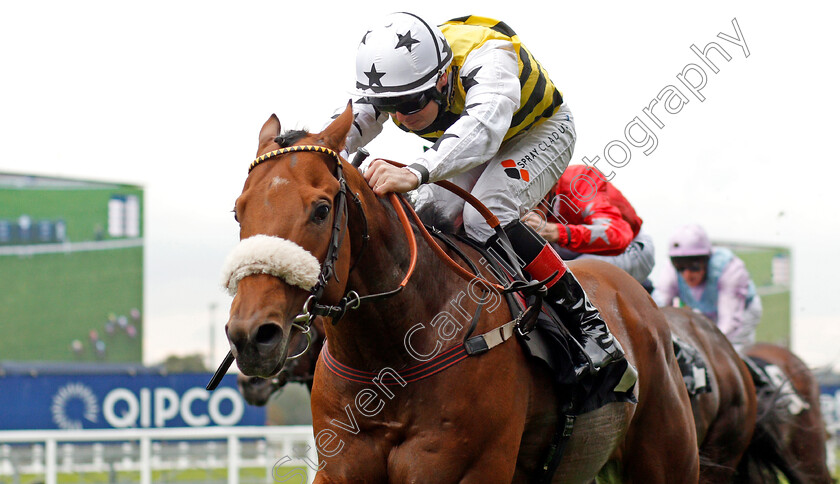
pixel 367 124
pixel 490 75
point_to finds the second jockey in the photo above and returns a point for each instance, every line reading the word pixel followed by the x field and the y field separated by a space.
pixel 711 280
pixel 587 217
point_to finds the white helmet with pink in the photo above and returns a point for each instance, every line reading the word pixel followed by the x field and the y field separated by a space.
pixel 689 241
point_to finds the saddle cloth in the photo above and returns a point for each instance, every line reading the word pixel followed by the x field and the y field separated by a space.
pixel 769 377
pixel 694 371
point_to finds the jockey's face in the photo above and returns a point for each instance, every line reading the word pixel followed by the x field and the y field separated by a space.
pixel 426 116
pixel 419 120
pixel 691 268
pixel 694 277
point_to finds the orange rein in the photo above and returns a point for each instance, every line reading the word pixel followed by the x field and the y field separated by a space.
pixel 412 242
pixel 469 198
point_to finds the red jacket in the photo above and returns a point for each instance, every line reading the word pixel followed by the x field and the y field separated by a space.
pixel 593 216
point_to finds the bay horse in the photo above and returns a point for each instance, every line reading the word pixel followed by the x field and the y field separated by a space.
pixel 257 391
pixel 725 415
pixel 316 240
pixel 786 443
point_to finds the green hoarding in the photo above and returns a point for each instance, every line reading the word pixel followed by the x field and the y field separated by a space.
pixel 770 269
pixel 71 270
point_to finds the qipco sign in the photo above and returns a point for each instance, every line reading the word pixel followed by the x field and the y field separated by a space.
pixel 162 406
pixel 76 402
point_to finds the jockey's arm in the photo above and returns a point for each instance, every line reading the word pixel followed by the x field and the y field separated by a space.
pixel 492 74
pixel 367 124
pixel 733 287
pixel 601 230
pixel 666 287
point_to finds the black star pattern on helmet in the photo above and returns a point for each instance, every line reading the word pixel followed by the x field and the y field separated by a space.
pixel 374 78
pixel 443 137
pixel 405 40
pixel 469 81
pixel 364 37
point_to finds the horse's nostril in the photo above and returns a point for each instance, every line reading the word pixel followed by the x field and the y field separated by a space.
pixel 237 336
pixel 268 334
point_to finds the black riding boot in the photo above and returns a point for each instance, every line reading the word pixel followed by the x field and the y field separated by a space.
pixel 565 295
pixel 583 320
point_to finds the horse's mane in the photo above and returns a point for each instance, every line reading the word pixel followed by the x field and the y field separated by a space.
pixel 430 214
pixel 290 137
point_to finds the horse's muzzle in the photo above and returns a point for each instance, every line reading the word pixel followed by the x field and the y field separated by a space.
pixel 260 351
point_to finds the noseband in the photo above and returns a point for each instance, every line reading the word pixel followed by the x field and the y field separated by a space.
pixel 352 300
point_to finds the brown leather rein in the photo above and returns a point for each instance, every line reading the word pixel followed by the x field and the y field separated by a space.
pixel 352 300
pixel 491 219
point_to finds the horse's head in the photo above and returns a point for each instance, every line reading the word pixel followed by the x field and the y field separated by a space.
pixel 257 391
pixel 289 216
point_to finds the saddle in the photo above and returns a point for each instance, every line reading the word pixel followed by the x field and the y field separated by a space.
pixel 546 340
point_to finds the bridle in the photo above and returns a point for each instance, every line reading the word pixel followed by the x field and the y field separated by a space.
pixel 289 368
pixel 352 300
pixel 313 307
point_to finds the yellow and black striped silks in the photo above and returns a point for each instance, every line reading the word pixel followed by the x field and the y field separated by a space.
pixel 540 99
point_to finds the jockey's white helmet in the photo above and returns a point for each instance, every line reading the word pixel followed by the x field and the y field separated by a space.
pixel 402 54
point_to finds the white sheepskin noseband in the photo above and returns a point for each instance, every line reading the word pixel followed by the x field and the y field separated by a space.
pixel 275 256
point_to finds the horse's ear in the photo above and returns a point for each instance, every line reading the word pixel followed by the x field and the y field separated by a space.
pixel 269 131
pixel 335 135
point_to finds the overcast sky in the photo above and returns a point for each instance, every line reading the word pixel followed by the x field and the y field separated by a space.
pixel 171 96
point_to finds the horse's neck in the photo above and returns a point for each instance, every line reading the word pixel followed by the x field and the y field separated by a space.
pixel 374 335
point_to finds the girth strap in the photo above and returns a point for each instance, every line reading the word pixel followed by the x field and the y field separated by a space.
pixel 472 347
pixel 489 340
pixel 408 375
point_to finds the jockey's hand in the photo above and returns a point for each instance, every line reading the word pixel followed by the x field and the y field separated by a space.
pixel 547 230
pixel 384 177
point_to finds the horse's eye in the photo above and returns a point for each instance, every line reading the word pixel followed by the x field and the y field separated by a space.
pixel 234 215
pixel 320 213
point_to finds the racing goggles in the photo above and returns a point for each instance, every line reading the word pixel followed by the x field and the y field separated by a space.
pixel 407 104
pixel 691 264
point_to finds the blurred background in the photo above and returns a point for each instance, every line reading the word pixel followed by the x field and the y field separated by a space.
pixel 126 129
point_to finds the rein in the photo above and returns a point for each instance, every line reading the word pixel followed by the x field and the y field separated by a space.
pixel 312 307
pixel 491 220
pixel 352 300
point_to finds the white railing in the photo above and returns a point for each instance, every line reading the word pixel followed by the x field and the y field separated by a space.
pixel 50 452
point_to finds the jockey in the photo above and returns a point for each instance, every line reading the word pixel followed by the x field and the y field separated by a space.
pixel 499 128
pixel 588 218
pixel 713 281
